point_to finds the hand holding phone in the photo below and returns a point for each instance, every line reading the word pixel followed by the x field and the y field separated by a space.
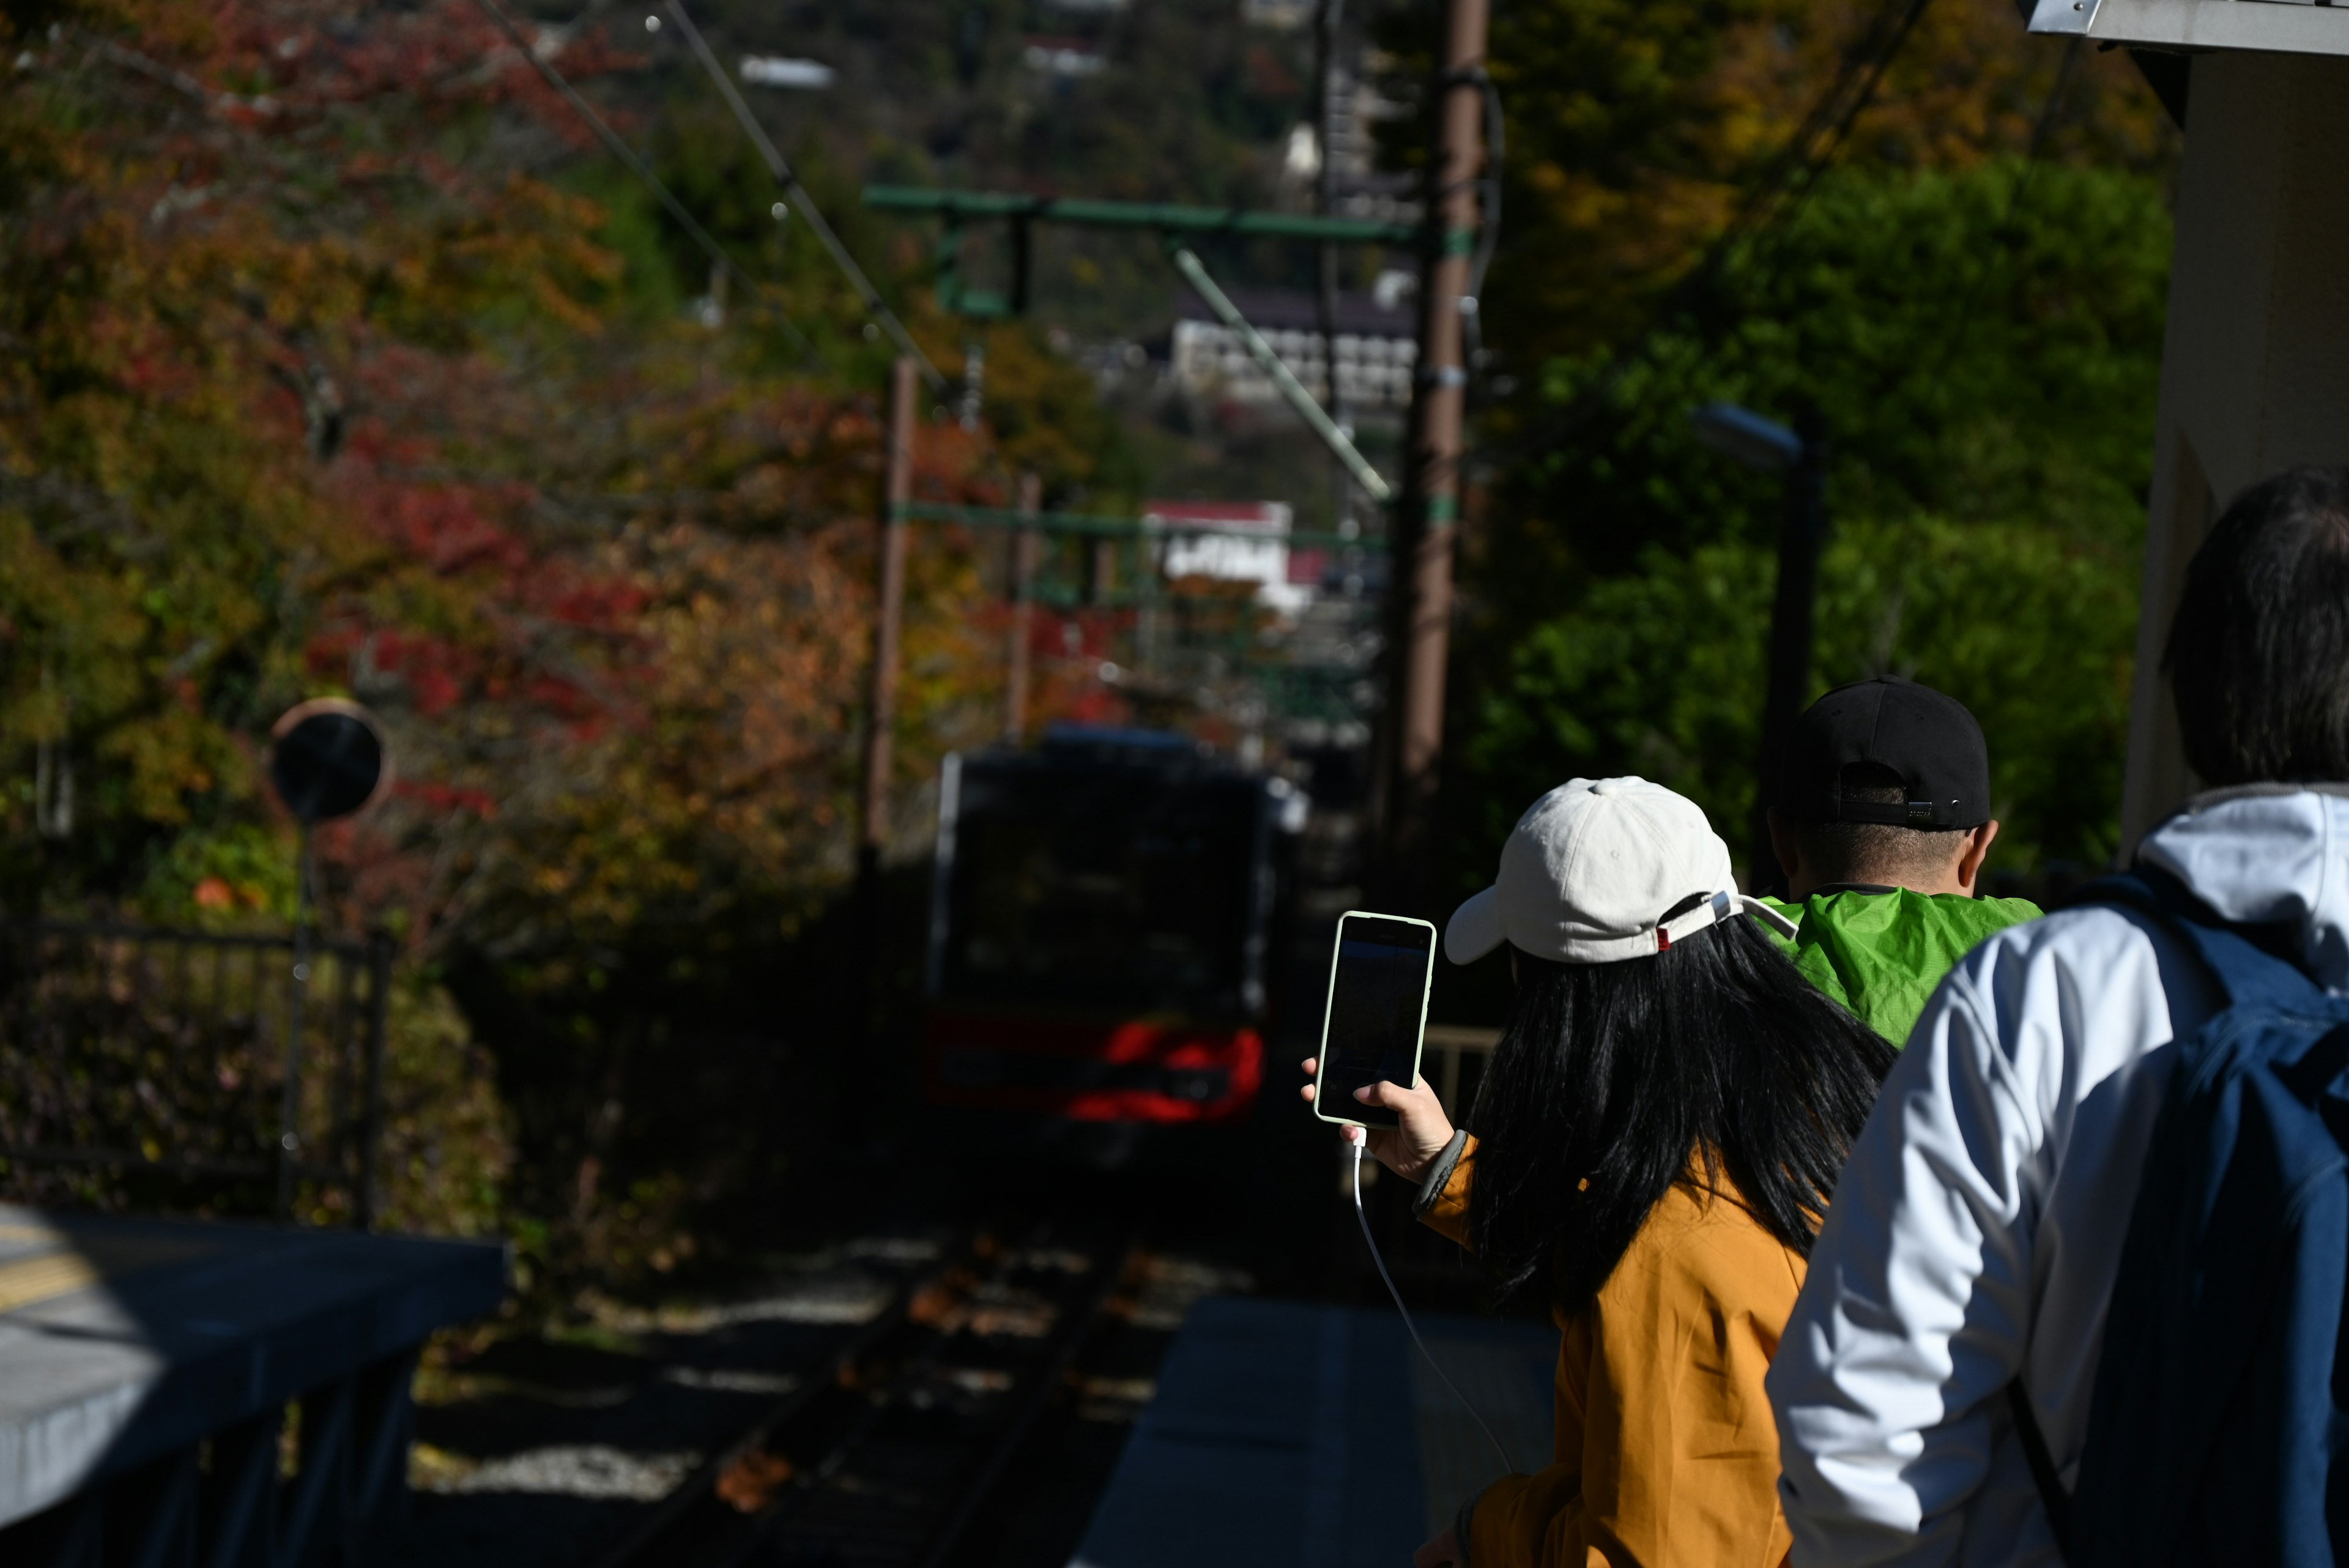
pixel 1408 1149
pixel 1379 981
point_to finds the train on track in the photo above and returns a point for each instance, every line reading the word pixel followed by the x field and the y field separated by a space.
pixel 1102 923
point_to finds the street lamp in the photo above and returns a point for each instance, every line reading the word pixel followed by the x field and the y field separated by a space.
pixel 1743 434
pixel 1800 454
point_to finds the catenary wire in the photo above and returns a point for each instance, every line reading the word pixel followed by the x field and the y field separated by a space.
pixel 1806 156
pixel 1814 167
pixel 618 147
pixel 798 196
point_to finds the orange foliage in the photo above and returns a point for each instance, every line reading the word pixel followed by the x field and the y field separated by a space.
pixel 286 411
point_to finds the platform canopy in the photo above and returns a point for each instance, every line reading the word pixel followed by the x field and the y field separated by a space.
pixel 2279 26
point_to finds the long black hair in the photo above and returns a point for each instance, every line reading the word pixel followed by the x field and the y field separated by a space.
pixel 1615 1080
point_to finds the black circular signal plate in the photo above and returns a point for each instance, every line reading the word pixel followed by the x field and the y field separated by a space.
pixel 327 761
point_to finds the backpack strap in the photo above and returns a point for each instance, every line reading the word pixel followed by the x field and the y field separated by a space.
pixel 2052 1495
pixel 2250 963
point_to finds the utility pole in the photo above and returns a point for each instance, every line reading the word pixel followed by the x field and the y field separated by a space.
pixel 1103 580
pixel 1328 18
pixel 1427 522
pixel 881 709
pixel 1016 639
pixel 1799 457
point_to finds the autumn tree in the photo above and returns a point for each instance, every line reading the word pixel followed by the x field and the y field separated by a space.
pixel 340 361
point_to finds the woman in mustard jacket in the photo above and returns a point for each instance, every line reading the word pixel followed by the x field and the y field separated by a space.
pixel 1657 1134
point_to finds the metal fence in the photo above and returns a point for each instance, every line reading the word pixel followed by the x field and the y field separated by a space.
pixel 230 1071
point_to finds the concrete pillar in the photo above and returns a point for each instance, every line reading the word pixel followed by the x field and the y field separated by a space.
pixel 2255 362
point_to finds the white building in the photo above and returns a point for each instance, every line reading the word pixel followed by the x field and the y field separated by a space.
pixel 1375 342
pixel 1277 15
pixel 1234 542
pixel 1064 57
pixel 777 71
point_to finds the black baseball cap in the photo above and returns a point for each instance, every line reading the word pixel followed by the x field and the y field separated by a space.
pixel 1924 737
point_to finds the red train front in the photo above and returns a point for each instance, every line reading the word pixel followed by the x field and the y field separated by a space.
pixel 1098 930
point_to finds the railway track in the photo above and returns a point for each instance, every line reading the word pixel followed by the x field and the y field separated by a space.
pixel 890 1457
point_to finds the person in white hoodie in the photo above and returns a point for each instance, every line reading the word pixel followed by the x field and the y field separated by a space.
pixel 1973 1239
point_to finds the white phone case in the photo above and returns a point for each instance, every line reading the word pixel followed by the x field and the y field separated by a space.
pixel 1419 1042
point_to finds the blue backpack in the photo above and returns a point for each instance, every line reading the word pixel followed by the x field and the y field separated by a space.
pixel 2220 1414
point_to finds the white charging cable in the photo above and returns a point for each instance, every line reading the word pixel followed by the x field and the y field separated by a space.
pixel 1356 1146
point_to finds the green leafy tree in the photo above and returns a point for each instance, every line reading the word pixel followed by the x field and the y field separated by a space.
pixel 1984 348
pixel 1639 134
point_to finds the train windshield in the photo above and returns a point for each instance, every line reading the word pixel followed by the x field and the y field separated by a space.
pixel 1111 888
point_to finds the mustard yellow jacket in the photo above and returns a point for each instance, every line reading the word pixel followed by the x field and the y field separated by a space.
pixel 1665 1454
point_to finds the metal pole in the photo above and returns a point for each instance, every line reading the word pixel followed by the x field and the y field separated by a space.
pixel 1326 25
pixel 881 708
pixel 289 1116
pixel 1427 520
pixel 379 949
pixel 1801 528
pixel 1150 576
pixel 1023 263
pixel 1284 380
pixel 1017 652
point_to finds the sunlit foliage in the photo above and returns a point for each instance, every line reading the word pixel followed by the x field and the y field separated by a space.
pixel 336 358
pixel 1983 346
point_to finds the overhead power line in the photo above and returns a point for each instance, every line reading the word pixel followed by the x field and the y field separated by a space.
pixel 800 199
pixel 1789 180
pixel 1960 320
pixel 1879 60
pixel 618 147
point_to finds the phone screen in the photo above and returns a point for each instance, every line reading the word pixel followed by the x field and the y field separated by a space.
pixel 1378 999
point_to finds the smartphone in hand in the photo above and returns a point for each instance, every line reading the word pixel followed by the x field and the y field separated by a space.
pixel 1379 981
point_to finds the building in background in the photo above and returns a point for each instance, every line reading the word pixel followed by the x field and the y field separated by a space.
pixel 1360 189
pixel 1250 546
pixel 782 71
pixel 1063 57
pixel 1277 15
pixel 1375 349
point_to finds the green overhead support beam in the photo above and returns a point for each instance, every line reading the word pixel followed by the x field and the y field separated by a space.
pixel 1148 216
pixel 1170 223
pixel 1101 528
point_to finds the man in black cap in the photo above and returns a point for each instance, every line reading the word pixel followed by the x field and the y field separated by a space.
pixel 1881 825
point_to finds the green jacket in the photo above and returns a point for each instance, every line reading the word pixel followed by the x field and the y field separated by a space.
pixel 1883 954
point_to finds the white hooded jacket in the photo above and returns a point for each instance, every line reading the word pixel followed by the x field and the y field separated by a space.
pixel 1977 1230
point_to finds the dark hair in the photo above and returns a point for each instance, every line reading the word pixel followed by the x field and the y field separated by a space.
pixel 2258 657
pixel 1611 1078
pixel 1874 851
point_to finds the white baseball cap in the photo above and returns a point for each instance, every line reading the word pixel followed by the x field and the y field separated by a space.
pixel 1589 870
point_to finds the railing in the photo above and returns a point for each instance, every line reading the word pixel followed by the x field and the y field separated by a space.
pixel 1453 1061
pixel 230 1071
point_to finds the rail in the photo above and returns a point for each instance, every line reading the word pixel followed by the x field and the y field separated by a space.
pixel 146 1062
pixel 1453 1060
pixel 892 1456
